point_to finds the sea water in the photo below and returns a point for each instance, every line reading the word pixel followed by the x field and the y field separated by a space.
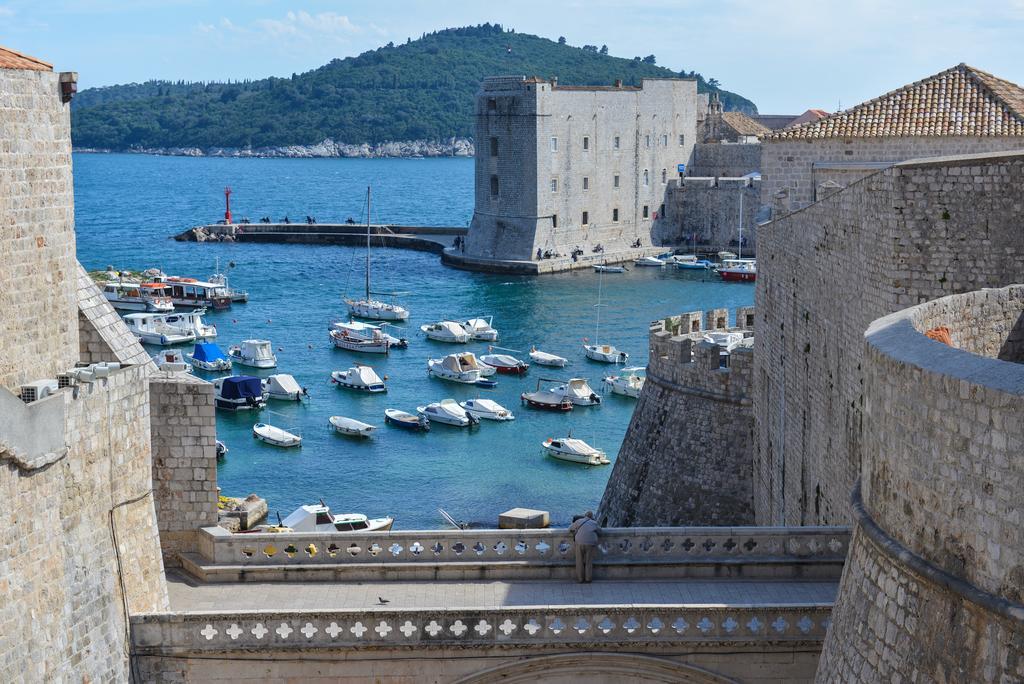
pixel 129 206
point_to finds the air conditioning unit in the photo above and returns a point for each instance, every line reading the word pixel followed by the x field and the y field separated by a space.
pixel 67 380
pixel 34 391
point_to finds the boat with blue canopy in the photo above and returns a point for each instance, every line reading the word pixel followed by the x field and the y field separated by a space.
pixel 239 393
pixel 209 357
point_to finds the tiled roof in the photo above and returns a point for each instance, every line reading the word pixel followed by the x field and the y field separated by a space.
pixel 743 124
pixel 809 115
pixel 959 101
pixel 11 59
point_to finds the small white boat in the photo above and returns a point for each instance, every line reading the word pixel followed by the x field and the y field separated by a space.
pixel 649 261
pixel 446 331
pixel 629 382
pixel 240 296
pixel 360 337
pixel 275 436
pixel 152 328
pixel 545 359
pixel 377 310
pixel 125 296
pixel 255 353
pixel 726 255
pixel 485 408
pixel 370 331
pixel 546 399
pixel 605 268
pixel 351 426
pixel 239 393
pixel 360 378
pixel 605 353
pixel 284 387
pixel 171 361
pixel 740 270
pixel 480 329
pixel 406 421
pixel 504 363
pixel 320 519
pixel 462 367
pixel 192 321
pixel 221 449
pixel 575 451
pixel 578 391
pixel 447 411
pixel 209 357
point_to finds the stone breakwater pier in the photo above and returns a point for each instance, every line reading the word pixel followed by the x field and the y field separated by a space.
pixel 423 238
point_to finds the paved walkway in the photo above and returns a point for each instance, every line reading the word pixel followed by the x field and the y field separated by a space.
pixel 474 595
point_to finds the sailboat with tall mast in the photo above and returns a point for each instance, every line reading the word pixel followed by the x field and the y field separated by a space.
pixel 605 353
pixel 368 307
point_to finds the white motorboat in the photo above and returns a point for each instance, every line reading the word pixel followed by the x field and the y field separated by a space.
pixel 171 361
pixel 239 393
pixel 240 296
pixel 126 296
pixel 360 378
pixel 629 382
pixel 485 408
pixel 505 363
pixel 152 328
pixel 194 293
pixel 691 262
pixel 255 353
pixel 739 270
pixel 320 519
pixel 649 261
pixel 545 359
pixel 370 331
pixel 463 367
pixel 406 421
pixel 447 411
pixel 546 399
pixel 368 307
pixel 275 436
pixel 209 357
pixel 283 387
pixel 578 391
pixel 605 268
pixel 351 426
pixel 445 331
pixel 726 255
pixel 605 353
pixel 481 329
pixel 575 451
pixel 359 339
pixel 192 321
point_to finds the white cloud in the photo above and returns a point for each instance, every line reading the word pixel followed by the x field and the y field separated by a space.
pixel 6 11
pixel 306 26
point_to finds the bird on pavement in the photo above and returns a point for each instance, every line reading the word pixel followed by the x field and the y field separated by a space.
pixel 382 601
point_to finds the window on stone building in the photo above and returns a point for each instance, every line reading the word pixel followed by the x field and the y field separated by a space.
pixel 554 220
pixel 492 105
pixel 615 181
pixel 664 139
pixel 554 144
pixel 615 215
pixel 664 176
pixel 615 143
pixel 586 218
pixel 661 210
pixel 494 185
pixel 586 183
pixel 647 178
pixel 681 139
pixel 586 143
pixel 554 185
pixel 647 212
pixel 494 147
pixel 648 140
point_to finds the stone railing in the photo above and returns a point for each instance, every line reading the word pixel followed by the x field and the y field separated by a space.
pixel 628 546
pixel 578 626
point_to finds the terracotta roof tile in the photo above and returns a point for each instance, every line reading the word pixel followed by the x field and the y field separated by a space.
pixel 959 101
pixel 11 59
pixel 743 124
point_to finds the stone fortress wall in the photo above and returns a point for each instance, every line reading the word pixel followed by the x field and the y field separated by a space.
pixel 686 457
pixel 713 160
pixel 704 214
pixel 934 587
pixel 914 232
pixel 538 141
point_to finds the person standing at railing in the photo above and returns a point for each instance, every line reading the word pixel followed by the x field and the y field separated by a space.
pixel 585 531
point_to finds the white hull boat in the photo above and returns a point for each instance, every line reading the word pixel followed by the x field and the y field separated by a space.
pixel 320 519
pixel 369 331
pixel 154 329
pixel 254 353
pixel 447 411
pixel 406 421
pixel 628 383
pixel 545 359
pixel 351 426
pixel 605 353
pixel 275 436
pixel 137 297
pixel 239 393
pixel 504 363
pixel 575 451
pixel 171 361
pixel 546 399
pixel 487 409
pixel 649 261
pixel 360 378
pixel 578 391
pixel 192 321
pixel 343 337
pixel 376 310
pixel 445 331
pixel 464 368
pixel 481 329
pixel 209 357
pixel 605 268
pixel 283 387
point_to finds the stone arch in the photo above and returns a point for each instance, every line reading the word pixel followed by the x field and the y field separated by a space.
pixel 595 668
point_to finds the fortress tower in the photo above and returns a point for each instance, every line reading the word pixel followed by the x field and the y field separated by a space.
pixel 560 167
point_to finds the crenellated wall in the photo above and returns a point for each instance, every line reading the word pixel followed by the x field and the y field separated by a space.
pixel 938 556
pixel 686 458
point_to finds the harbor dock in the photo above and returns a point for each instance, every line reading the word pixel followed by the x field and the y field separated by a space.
pixel 423 238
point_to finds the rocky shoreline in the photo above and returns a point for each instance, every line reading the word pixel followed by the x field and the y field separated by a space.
pixel 453 147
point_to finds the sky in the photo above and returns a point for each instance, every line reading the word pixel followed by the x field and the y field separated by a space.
pixel 785 55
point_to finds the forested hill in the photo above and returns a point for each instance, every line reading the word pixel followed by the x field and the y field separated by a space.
pixel 421 90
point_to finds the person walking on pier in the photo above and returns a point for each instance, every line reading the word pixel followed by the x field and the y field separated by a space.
pixel 585 531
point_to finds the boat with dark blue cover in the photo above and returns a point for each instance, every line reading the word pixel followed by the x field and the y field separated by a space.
pixel 239 393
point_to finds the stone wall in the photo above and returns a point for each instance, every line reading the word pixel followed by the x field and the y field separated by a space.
pixel 102 336
pixel 718 159
pixel 37 231
pixel 914 232
pixel 184 433
pixel 939 557
pixel 687 455
pixel 705 214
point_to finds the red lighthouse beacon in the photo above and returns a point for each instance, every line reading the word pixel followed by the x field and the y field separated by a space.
pixel 227 206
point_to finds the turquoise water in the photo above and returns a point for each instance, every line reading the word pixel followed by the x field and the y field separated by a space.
pixel 127 206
